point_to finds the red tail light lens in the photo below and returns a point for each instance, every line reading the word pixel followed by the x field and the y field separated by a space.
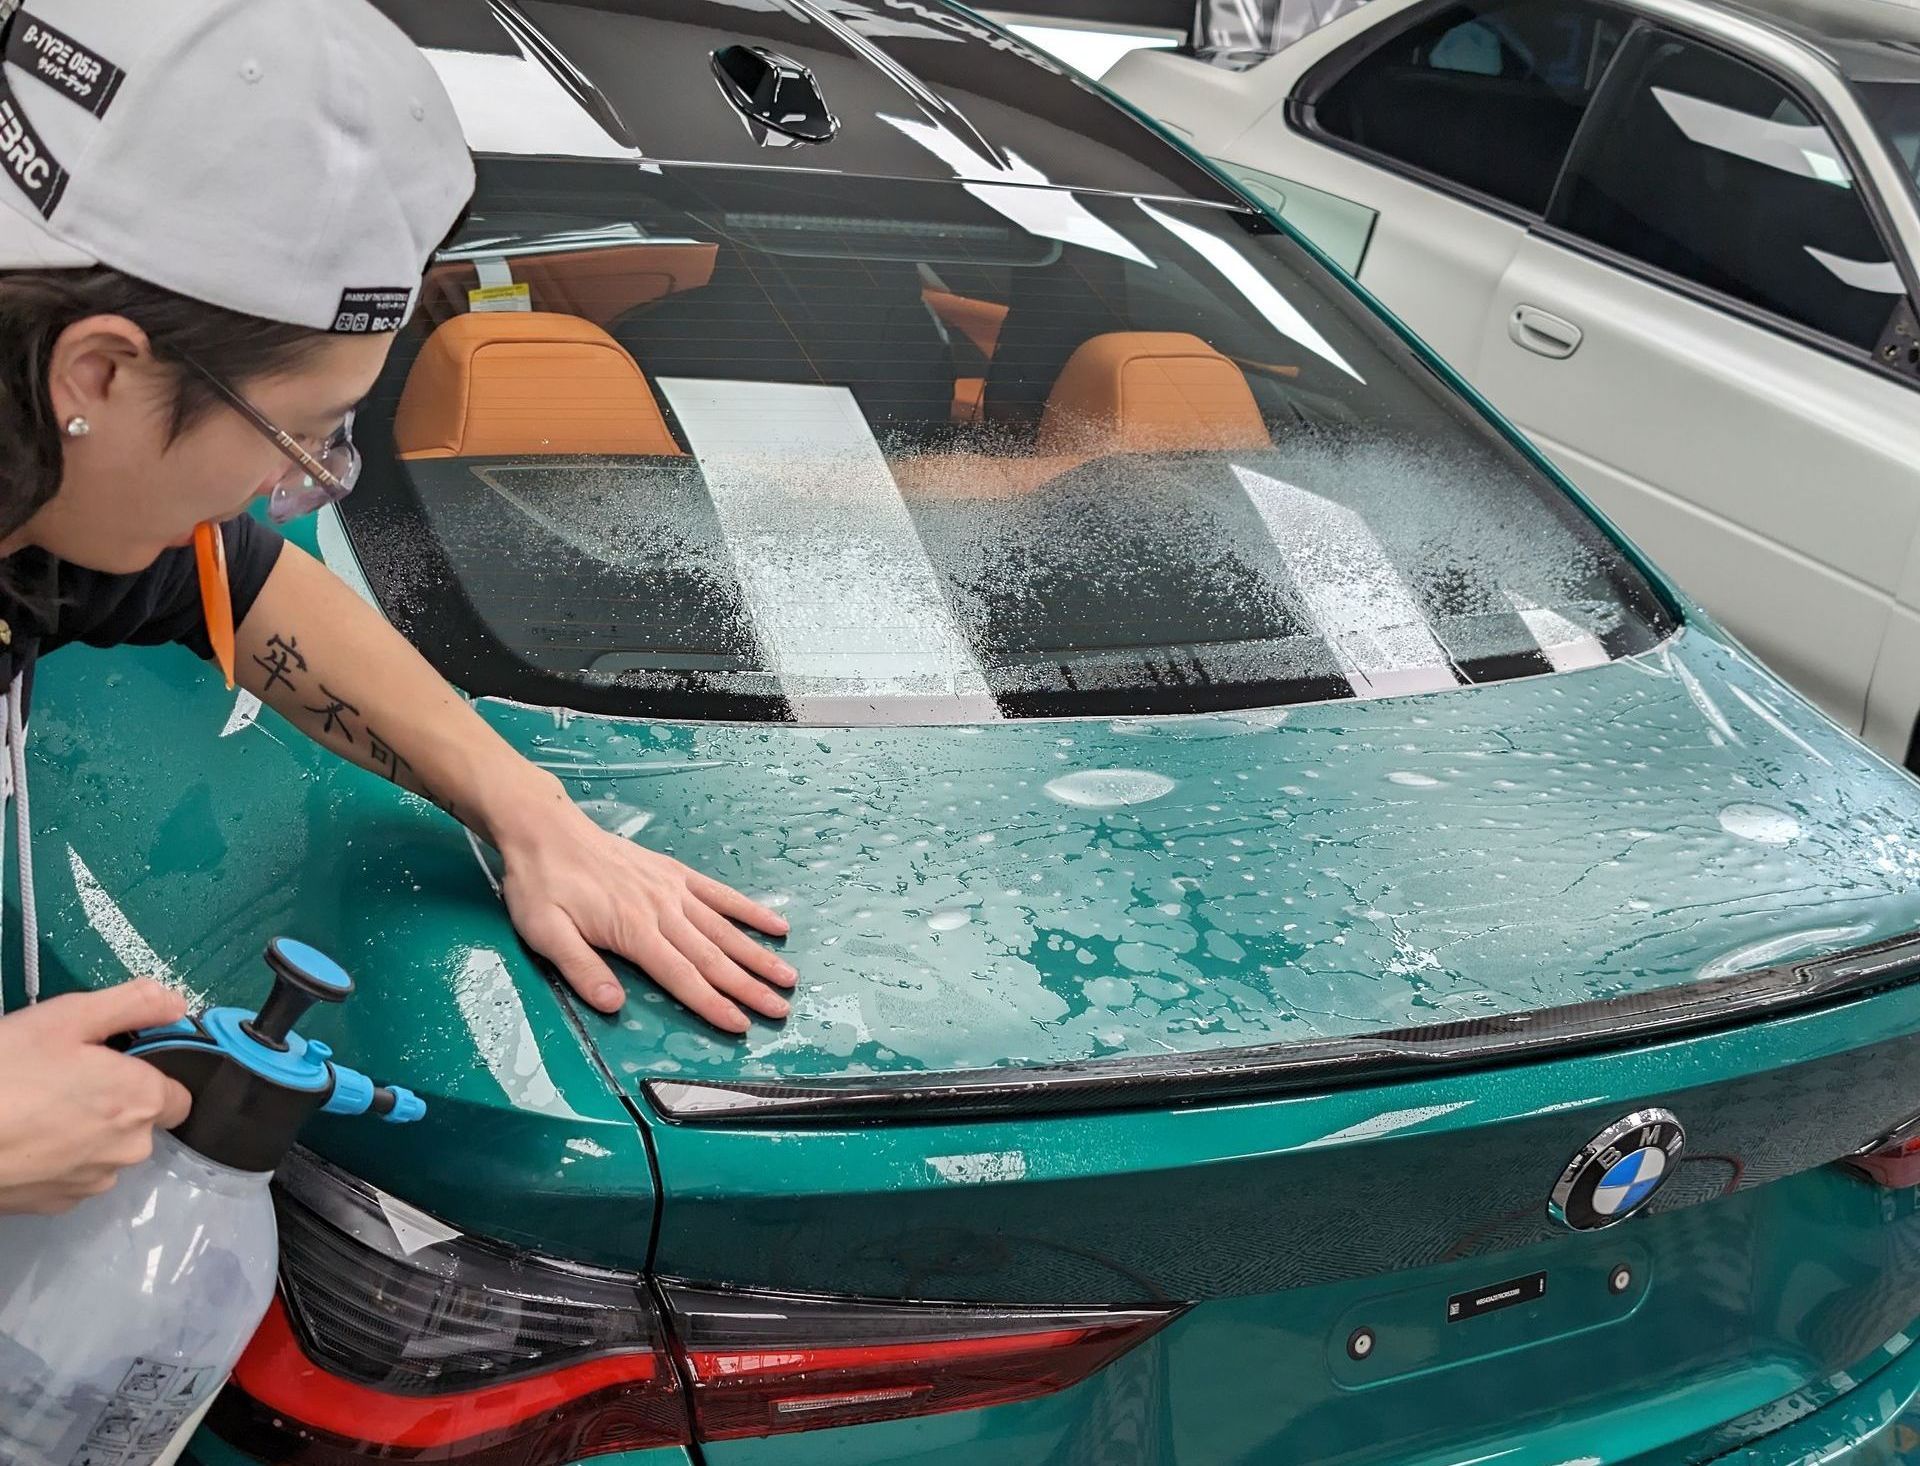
pixel 767 1363
pixel 459 1352
pixel 465 1352
pixel 1894 1159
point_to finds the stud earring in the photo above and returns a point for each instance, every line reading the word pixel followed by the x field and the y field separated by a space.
pixel 78 426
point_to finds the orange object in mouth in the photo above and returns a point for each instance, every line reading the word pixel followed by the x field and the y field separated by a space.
pixel 216 597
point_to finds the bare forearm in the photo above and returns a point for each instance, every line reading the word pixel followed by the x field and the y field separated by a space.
pixel 321 656
pixel 316 653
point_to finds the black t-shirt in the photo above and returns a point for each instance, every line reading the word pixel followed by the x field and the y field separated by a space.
pixel 46 604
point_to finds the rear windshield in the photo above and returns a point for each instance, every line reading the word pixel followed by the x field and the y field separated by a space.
pixel 723 443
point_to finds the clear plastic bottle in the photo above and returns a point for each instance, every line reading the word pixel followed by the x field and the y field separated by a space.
pixel 120 1320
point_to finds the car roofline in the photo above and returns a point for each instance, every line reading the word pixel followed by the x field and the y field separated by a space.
pixel 1743 29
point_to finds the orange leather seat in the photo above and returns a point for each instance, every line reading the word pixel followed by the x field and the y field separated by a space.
pixel 1122 392
pixel 499 384
pixel 978 320
pixel 1150 392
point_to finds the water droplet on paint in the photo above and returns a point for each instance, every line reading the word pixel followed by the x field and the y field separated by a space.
pixel 1761 822
pixel 1108 788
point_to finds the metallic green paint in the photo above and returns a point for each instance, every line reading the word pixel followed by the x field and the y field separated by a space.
pixel 1251 1381
pixel 1084 889
pixel 1510 873
pixel 1073 890
pixel 193 848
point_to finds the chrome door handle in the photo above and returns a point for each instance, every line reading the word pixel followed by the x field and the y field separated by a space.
pixel 1548 335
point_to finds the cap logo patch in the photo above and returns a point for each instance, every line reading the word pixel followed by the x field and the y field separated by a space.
pixel 25 157
pixel 375 309
pixel 63 63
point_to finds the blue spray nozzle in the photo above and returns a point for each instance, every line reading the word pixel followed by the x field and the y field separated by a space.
pixel 355 1094
pixel 407 1106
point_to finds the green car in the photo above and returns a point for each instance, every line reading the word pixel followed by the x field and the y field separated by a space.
pixel 1311 951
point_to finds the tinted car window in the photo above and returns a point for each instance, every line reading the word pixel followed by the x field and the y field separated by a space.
pixel 1710 170
pixel 751 444
pixel 1487 94
pixel 1894 107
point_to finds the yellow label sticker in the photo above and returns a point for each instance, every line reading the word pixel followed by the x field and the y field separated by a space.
pixel 516 297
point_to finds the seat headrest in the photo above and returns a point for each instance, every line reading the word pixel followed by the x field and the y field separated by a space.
pixel 1150 392
pixel 506 383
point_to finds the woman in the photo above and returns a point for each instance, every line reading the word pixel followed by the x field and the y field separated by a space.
pixel 211 225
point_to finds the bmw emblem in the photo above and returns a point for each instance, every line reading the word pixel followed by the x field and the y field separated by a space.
pixel 1618 1171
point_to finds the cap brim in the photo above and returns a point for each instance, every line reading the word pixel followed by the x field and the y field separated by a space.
pixel 27 244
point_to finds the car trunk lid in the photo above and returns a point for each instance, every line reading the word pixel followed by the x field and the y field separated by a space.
pixel 1036 895
pixel 1579 855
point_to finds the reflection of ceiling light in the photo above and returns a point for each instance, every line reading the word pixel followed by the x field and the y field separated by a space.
pixel 1357 598
pixel 1257 290
pixel 1799 148
pixel 558 241
pixel 1881 277
pixel 845 602
pixel 512 104
pixel 1018 191
pixel 1092 53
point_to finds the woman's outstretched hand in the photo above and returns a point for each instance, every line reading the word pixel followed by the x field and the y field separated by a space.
pixel 575 890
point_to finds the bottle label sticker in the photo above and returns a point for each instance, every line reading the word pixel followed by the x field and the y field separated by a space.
pixel 153 1403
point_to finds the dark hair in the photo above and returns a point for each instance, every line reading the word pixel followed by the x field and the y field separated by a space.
pixel 37 305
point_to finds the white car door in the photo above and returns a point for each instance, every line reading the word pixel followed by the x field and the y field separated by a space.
pixel 1442 124
pixel 1693 335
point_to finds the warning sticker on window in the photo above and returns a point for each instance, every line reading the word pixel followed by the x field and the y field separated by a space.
pixel 516 297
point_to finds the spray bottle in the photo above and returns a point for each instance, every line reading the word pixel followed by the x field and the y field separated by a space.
pixel 120 1321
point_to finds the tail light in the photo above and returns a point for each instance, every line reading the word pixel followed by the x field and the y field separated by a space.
pixel 767 1363
pixel 466 1352
pixel 1894 1159
pixel 462 1352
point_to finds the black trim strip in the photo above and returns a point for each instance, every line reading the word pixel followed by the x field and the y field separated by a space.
pixel 1704 1006
pixel 1759 317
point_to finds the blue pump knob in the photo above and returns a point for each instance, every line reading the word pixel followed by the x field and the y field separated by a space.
pixel 254 1079
pixel 302 976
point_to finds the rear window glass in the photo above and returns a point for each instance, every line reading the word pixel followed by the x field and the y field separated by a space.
pixel 734 444
pixel 1894 107
pixel 1487 94
pixel 1710 170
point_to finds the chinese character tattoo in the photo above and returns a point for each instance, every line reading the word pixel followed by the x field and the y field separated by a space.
pixel 282 653
pixel 330 712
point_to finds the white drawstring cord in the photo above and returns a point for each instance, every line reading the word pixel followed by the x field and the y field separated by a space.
pixel 23 832
pixel 6 798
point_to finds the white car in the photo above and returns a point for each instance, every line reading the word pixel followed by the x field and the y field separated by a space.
pixel 1676 241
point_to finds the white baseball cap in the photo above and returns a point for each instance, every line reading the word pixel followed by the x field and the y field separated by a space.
pixel 296 160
